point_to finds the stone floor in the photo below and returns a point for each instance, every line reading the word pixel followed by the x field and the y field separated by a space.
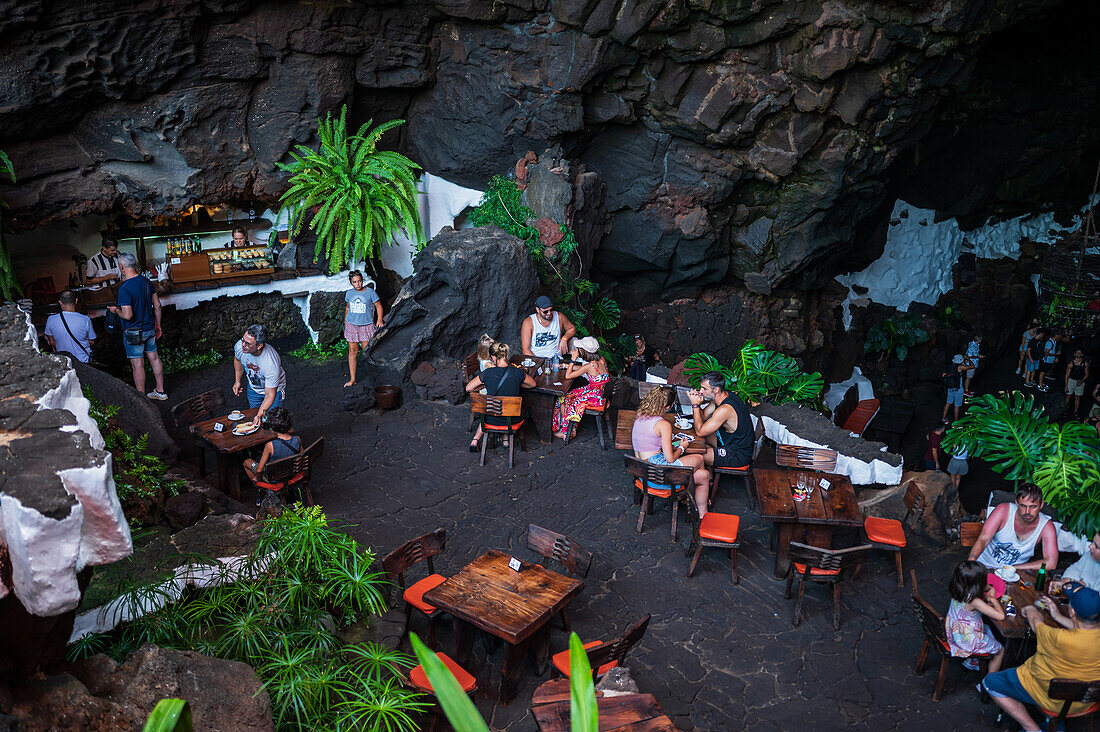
pixel 716 656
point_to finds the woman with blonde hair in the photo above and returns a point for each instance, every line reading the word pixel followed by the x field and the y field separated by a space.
pixel 484 361
pixel 586 362
pixel 651 438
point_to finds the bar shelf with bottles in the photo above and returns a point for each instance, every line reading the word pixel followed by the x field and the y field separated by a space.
pixel 189 262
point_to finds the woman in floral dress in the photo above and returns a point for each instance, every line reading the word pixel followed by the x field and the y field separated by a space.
pixel 586 362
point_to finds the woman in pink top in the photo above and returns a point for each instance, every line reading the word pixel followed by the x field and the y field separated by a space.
pixel 651 438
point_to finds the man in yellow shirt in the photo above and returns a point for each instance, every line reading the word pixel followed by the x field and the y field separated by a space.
pixel 1071 651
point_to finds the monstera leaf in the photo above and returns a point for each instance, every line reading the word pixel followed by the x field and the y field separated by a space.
pixel 699 365
pixel 1080 512
pixel 1062 476
pixel 803 389
pixel 1007 432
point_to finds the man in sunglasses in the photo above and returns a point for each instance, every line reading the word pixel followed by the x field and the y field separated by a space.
pixel 547 333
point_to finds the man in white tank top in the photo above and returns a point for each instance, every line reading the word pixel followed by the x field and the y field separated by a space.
pixel 546 333
pixel 1012 531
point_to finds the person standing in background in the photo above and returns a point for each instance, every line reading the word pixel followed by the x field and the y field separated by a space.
pixel 932 452
pixel 1025 339
pixel 139 309
pixel 69 331
pixel 102 268
pixel 362 319
pixel 1077 373
pixel 973 356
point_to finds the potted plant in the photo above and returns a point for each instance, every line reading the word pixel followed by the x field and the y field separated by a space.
pixel 894 337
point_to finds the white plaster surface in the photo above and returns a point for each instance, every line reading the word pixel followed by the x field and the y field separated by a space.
pixel 916 262
pixel 858 471
pixel 834 395
pixel 440 204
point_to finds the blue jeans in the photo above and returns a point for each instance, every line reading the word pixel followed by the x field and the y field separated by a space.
pixel 148 344
pixel 255 400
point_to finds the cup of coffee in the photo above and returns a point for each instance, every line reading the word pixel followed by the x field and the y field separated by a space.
pixel 236 414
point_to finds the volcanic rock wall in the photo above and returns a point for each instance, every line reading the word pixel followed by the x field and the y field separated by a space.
pixel 59 512
pixel 738 138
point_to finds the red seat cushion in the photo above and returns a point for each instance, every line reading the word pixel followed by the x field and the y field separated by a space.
pixel 415 594
pixel 720 526
pixel 419 679
pixel 279 486
pixel 884 531
pixel 590 408
pixel 561 660
pixel 861 416
pixel 801 569
pixel 501 428
pixel 741 469
pixel 1083 713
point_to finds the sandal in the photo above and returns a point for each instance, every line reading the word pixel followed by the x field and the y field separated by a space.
pixel 474 445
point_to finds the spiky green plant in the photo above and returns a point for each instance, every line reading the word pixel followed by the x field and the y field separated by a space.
pixel 363 195
pixel 1012 433
pixel 9 288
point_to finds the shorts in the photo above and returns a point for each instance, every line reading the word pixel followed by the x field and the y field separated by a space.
pixel 725 457
pixel 1006 684
pixel 148 344
pixel 970 373
pixel 255 400
pixel 1032 365
pixel 1075 387
pixel 659 459
pixel 1048 367
pixel 359 333
pixel 930 465
pixel 957 466
pixel 955 397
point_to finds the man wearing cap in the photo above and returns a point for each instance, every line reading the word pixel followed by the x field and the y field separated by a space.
pixel 952 379
pixel 1071 651
pixel 1085 570
pixel 546 333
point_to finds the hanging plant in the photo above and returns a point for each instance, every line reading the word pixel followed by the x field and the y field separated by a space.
pixel 9 288
pixel 362 195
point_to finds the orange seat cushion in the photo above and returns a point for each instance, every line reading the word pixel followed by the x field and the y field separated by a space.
pixel 279 486
pixel 561 661
pixel 741 469
pixel 801 569
pixel 501 428
pixel 1083 713
pixel 419 679
pixel 884 531
pixel 415 594
pixel 720 527
pixel 590 408
pixel 661 490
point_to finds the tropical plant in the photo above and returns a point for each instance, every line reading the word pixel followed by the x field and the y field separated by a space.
pixel 895 336
pixel 362 194
pixel 9 288
pixel 311 351
pixel 463 715
pixel 280 611
pixel 169 715
pixel 182 359
pixel 758 374
pixel 1012 433
pixel 502 205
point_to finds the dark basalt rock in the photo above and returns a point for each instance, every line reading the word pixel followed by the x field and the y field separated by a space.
pixel 759 141
pixel 185 509
pixel 466 282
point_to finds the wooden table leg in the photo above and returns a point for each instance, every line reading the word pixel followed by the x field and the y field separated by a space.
pixel 510 670
pixel 542 414
pixel 464 639
pixel 785 533
pixel 541 639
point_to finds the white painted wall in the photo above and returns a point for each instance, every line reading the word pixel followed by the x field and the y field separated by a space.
pixel 441 202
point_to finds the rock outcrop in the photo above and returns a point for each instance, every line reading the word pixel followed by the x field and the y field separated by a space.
pixel 58 506
pixel 755 140
pixel 466 282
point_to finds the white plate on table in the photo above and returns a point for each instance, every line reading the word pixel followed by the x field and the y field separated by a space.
pixel 246 428
pixel 1008 574
pixel 527 363
pixel 684 424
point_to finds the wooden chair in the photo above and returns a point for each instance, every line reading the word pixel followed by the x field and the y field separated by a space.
pixel 418 680
pixel 600 415
pixel 203 406
pixel 814 564
pixel 806 458
pixel 660 481
pixel 1068 691
pixel 292 472
pixel 604 655
pixel 717 530
pixel 935 636
pixel 405 556
pixel 495 406
pixel 471 367
pixel 969 531
pixel 563 550
pixel 743 472
pixel 889 534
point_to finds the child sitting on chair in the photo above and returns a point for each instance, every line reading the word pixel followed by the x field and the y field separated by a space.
pixel 974 594
pixel 285 444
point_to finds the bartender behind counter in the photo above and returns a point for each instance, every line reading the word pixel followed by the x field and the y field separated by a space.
pixel 103 267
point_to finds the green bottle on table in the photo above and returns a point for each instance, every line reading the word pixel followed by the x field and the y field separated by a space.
pixel 1041 578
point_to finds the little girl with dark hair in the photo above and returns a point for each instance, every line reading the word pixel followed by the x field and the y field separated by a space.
pixel 972 596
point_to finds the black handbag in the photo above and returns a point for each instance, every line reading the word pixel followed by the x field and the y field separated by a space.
pixel 133 336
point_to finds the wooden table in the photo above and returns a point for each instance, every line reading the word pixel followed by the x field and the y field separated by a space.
pixel 624 440
pixel 542 398
pixel 513 606
pixel 634 712
pixel 229 446
pixel 811 521
pixel 1014 630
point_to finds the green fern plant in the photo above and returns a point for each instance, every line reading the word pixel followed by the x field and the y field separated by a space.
pixel 364 195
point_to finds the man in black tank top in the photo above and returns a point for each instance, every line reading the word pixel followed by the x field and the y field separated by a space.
pixel 727 426
pixel 1077 373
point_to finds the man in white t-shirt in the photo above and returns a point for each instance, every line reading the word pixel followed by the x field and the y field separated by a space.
pixel 102 268
pixel 1012 531
pixel 546 333
pixel 70 331
pixel 260 364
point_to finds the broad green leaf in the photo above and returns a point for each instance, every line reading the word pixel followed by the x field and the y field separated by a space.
pixel 584 714
pixel 169 715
